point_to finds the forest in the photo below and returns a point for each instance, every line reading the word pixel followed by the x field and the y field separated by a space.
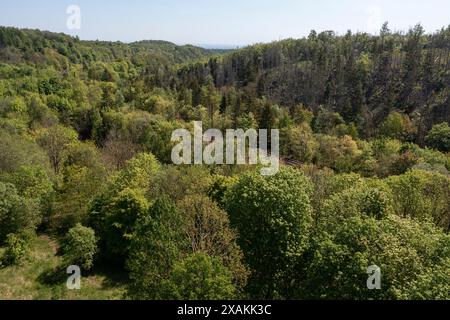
pixel 86 176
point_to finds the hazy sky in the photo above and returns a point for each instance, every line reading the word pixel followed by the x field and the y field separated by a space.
pixel 225 22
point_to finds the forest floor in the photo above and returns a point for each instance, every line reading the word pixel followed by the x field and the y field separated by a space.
pixel 36 278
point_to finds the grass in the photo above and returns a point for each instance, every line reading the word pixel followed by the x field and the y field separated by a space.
pixel 37 278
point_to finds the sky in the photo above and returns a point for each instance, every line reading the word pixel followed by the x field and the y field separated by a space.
pixel 225 23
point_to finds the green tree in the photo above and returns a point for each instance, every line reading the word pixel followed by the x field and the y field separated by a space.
pixel 55 141
pixel 80 247
pixel 422 196
pixel 17 249
pixel 199 277
pixel 439 137
pixel 397 126
pixel 273 217
pixel 17 214
pixel 300 143
pixel 156 245
pixel 207 230
pixel 335 266
pixel 17 151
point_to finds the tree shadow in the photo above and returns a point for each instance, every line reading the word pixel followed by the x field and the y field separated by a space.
pixel 114 276
pixel 53 276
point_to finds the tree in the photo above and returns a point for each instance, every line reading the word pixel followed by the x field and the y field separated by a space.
pixel 17 151
pixel 199 277
pixel 397 126
pixel 17 214
pixel 79 186
pixel 300 144
pixel 273 217
pixel 56 140
pixel 326 121
pixel 17 249
pixel 32 182
pixel 422 196
pixel 120 222
pixel 80 247
pixel 335 266
pixel 207 230
pixel 177 182
pixel 431 285
pixel 368 199
pixel 219 187
pixel 114 211
pixel 439 137
pixel 156 245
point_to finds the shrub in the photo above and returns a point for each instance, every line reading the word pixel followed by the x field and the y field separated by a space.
pixel 17 249
pixel 80 247
pixel 439 137
pixel 17 214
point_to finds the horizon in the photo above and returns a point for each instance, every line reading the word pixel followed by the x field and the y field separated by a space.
pixel 208 25
pixel 208 46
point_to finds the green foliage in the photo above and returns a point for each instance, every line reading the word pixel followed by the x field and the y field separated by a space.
pixel 115 223
pixel 432 284
pixel 114 211
pixel 397 126
pixel 207 229
pixel 326 121
pixel 219 187
pixel 365 200
pixel 55 141
pixel 17 151
pixel 341 154
pixel 138 172
pixel 80 247
pixel 17 214
pixel 199 277
pixel 439 137
pixel 17 249
pixel 423 196
pixel 79 118
pixel 34 183
pixel 80 185
pixel 401 248
pixel 300 144
pixel 273 218
pixel 177 182
pixel 155 246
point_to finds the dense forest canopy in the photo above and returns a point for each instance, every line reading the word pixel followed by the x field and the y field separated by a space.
pixel 86 176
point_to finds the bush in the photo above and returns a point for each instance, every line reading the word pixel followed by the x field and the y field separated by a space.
pixel 199 277
pixel 17 249
pixel 17 214
pixel 412 257
pixel 439 137
pixel 80 247
pixel 154 248
pixel 273 217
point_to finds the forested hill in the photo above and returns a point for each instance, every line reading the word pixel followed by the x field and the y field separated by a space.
pixel 23 45
pixel 87 177
pixel 360 76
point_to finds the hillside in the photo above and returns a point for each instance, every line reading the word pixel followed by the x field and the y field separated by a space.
pixel 24 45
pixel 88 176
pixel 360 76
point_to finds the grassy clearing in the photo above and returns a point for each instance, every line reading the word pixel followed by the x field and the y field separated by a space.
pixel 37 279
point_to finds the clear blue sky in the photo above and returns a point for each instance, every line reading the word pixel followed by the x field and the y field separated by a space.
pixel 225 22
